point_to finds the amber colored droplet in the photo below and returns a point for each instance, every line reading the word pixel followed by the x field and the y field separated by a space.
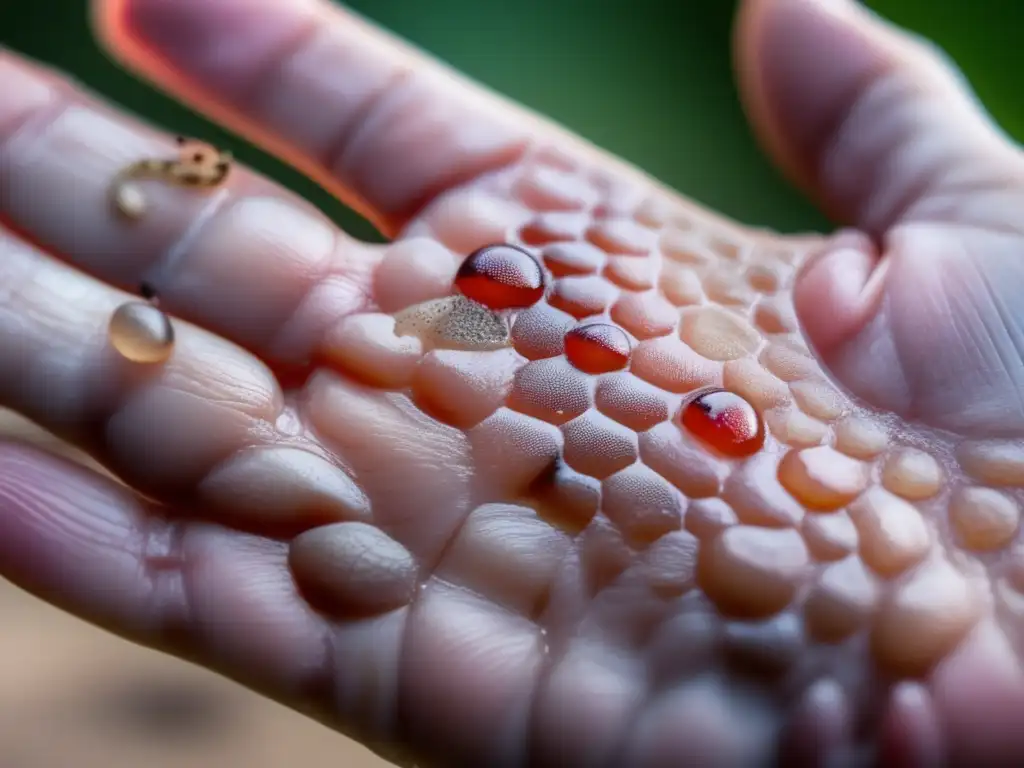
pixel 501 277
pixel 725 421
pixel 597 348
pixel 141 333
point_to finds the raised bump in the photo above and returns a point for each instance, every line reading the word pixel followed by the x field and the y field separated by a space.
pixel 141 333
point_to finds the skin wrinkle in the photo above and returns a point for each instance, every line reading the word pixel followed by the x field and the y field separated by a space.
pixel 16 283
pixel 254 88
pixel 365 119
pixel 164 265
pixel 885 97
pixel 331 269
pixel 854 142
pixel 935 304
pixel 95 399
pixel 547 662
pixel 382 735
pixel 997 174
pixel 932 216
pixel 447 590
pixel 942 303
pixel 972 330
pixel 515 151
pixel 569 560
pixel 907 337
pixel 881 345
pixel 1011 328
pixel 902 103
pixel 258 561
pixel 169 602
pixel 156 614
pixel 37 131
pixel 318 271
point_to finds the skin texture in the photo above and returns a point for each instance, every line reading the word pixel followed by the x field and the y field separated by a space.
pixel 457 547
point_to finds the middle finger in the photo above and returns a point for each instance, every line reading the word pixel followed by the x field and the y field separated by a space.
pixel 210 424
pixel 249 261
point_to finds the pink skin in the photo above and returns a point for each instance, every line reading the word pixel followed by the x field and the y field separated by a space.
pixel 914 311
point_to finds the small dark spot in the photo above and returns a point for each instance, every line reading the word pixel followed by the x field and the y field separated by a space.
pixel 763 650
pixel 147 291
pixel 222 166
pixel 198 157
pixel 163 709
pixel 564 498
pixel 180 139
pixel 548 475
pixel 191 178
pixel 295 375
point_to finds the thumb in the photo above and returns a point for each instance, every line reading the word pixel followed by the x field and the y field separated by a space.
pixel 907 310
pixel 867 119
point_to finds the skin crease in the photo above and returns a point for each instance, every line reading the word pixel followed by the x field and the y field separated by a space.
pixel 314 506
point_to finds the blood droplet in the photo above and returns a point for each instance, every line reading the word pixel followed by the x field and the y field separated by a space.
pixel 501 277
pixel 597 348
pixel 724 421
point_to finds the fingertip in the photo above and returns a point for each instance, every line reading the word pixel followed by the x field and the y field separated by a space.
pixel 800 64
pixel 837 292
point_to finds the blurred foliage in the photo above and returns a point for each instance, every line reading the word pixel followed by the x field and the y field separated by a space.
pixel 647 79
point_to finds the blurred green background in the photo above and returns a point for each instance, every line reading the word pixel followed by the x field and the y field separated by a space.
pixel 648 79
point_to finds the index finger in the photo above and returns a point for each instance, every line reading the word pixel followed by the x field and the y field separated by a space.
pixel 382 125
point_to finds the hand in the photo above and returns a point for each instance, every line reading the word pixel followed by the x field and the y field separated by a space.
pixel 314 506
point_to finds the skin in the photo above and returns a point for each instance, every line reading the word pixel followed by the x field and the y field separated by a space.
pixel 440 631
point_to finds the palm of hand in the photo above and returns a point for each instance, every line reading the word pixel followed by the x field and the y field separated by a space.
pixel 485 555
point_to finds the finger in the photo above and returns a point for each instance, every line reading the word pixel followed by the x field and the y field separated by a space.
pixel 885 135
pixel 237 603
pixel 380 124
pixel 875 124
pixel 209 426
pixel 248 260
pixel 91 546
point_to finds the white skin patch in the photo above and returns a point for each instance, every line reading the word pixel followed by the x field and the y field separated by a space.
pixel 454 322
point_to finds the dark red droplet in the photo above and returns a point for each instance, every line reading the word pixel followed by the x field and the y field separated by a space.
pixel 724 421
pixel 597 348
pixel 501 277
